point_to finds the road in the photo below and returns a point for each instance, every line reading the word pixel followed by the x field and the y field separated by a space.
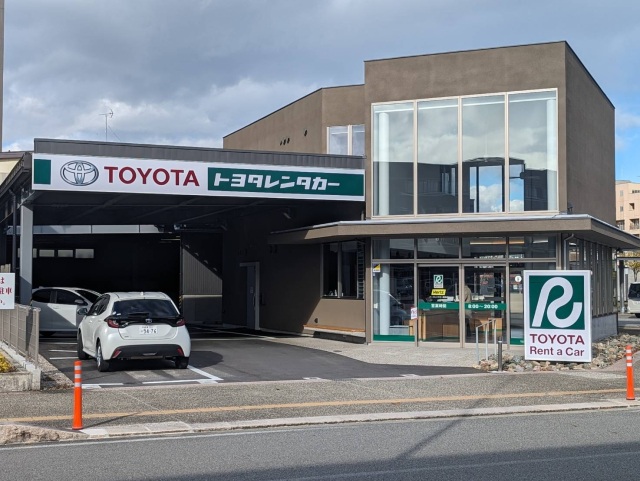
pixel 591 445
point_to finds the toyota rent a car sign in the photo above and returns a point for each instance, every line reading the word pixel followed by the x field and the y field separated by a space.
pixel 172 177
pixel 557 315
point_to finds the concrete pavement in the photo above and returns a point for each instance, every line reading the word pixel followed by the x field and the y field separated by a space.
pixel 197 408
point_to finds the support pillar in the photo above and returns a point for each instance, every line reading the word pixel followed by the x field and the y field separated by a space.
pixel 26 254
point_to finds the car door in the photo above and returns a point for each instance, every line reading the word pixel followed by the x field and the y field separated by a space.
pixel 41 299
pixel 92 321
pixel 64 305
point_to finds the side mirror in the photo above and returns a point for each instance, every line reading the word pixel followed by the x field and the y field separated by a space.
pixel 82 311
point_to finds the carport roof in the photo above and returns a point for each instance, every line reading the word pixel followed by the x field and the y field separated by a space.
pixel 582 225
pixel 95 208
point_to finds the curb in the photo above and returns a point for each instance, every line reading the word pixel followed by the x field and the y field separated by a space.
pixel 169 428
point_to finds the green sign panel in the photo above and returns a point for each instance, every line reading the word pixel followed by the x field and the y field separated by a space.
pixel 301 184
pixel 473 306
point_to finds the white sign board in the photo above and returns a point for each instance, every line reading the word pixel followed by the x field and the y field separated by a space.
pixel 7 290
pixel 557 315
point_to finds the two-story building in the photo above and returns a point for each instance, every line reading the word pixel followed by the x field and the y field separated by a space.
pixel 479 165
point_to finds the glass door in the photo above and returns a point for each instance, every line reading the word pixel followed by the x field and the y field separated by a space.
pixel 439 305
pixel 484 302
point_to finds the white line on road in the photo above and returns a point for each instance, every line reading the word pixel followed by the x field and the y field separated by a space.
pixel 167 382
pixel 99 386
pixel 61 358
pixel 205 374
pixel 62 350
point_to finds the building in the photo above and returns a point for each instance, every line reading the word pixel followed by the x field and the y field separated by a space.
pixel 405 207
pixel 628 206
pixel 480 165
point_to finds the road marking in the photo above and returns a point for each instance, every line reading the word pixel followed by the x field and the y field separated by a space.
pixel 204 374
pixel 62 350
pixel 311 378
pixel 99 386
pixel 61 358
pixel 169 381
pixel 317 404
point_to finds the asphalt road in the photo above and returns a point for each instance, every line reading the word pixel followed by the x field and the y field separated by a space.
pixel 594 445
pixel 224 356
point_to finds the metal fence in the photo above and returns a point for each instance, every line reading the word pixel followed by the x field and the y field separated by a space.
pixel 19 329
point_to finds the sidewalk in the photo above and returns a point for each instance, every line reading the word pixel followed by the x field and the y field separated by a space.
pixel 47 415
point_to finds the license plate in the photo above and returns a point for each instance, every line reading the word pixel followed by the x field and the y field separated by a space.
pixel 147 330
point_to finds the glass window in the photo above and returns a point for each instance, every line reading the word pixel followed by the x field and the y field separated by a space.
pixel 66 297
pixel 392 300
pixel 330 269
pixel 438 156
pixel 339 140
pixel 533 151
pixel 532 246
pixel 357 140
pixel 90 296
pixel 393 249
pixel 47 253
pixel 147 307
pixel 484 247
pixel 439 248
pixel 343 269
pixel 483 150
pixel 349 269
pixel 84 253
pixel 42 295
pixel 393 159
pixel 65 252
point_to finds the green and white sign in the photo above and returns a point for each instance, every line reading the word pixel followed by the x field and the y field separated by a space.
pixel 557 315
pixel 172 177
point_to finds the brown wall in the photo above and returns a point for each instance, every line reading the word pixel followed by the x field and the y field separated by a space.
pixel 284 130
pixel 290 277
pixel 466 73
pixel 590 145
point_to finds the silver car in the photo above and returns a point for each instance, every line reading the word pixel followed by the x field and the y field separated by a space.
pixel 59 307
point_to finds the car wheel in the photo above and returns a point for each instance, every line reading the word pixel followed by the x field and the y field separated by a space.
pixel 181 362
pixel 103 366
pixel 81 354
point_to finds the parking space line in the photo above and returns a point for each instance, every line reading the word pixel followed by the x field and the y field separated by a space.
pixel 62 350
pixel 204 374
pixel 167 382
pixel 61 358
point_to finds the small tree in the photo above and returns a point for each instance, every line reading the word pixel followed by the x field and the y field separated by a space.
pixel 633 265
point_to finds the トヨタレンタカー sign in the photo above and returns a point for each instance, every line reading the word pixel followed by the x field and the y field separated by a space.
pixel 7 290
pixel 172 177
pixel 557 315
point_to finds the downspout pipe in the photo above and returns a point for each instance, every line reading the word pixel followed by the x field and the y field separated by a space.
pixel 566 251
pixel 14 240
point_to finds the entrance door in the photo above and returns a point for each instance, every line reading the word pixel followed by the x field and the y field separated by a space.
pixel 252 294
pixel 439 306
pixel 485 306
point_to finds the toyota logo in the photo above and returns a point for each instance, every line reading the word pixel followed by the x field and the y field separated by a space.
pixel 79 173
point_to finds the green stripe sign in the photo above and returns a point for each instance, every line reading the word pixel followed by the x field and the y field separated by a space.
pixel 149 176
pixel 284 181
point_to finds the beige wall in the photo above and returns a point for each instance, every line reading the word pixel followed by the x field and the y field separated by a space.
pixel 628 206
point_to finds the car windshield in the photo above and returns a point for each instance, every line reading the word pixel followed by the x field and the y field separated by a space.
pixel 88 295
pixel 145 307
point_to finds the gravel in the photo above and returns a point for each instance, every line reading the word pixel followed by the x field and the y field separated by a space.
pixel 604 353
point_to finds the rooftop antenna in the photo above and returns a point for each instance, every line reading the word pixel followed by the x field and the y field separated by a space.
pixel 107 116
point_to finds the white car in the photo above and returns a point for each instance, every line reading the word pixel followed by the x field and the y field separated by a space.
pixel 59 307
pixel 133 325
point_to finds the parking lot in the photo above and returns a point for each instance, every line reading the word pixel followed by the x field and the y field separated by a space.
pixel 230 355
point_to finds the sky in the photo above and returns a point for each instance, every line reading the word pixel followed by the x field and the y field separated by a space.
pixel 188 72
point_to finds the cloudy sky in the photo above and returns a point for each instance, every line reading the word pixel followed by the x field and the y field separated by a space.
pixel 188 72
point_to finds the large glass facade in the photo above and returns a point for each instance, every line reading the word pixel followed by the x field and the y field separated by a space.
pixel 483 154
pixel 472 154
pixel 450 289
pixel 393 154
pixel 438 156
pixel 533 147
